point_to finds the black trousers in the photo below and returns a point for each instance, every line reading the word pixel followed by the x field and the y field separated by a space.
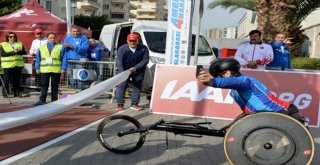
pixel 136 79
pixel 3 92
pixel 55 80
pixel 13 76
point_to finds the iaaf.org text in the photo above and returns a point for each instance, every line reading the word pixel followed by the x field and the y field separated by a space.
pixel 191 90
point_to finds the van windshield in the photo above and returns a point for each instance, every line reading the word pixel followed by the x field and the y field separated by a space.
pixel 156 42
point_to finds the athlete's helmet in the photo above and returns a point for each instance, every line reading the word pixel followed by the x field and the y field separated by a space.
pixel 220 65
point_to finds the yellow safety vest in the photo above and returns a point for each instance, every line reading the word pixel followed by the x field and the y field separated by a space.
pixel 1 70
pixel 14 60
pixel 54 66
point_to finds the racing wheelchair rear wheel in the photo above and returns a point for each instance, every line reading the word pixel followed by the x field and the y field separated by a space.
pixel 268 138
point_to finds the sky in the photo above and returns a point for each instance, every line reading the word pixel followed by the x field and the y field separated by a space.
pixel 219 17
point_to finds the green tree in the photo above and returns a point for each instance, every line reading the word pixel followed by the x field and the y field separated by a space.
pixel 95 23
pixel 275 16
pixel 9 6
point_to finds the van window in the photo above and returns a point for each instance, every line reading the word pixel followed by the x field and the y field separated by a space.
pixel 156 41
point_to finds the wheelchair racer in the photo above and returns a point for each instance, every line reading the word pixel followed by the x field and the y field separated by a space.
pixel 249 93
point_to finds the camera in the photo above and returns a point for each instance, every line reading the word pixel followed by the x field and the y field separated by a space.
pixel 199 68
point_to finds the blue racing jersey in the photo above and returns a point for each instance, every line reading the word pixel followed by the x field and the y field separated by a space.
pixel 250 94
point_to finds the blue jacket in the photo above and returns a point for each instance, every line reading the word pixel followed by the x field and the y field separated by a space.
pixel 250 94
pixel 64 59
pixel 94 53
pixel 281 56
pixel 80 47
pixel 127 59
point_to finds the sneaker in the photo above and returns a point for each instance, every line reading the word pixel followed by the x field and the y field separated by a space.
pixel 39 103
pixel 136 107
pixel 25 95
pixel 16 94
pixel 7 96
pixel 119 108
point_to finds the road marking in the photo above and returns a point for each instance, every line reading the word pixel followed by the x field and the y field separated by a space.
pixel 53 141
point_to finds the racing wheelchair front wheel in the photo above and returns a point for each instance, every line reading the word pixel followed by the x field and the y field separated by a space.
pixel 268 138
pixel 110 135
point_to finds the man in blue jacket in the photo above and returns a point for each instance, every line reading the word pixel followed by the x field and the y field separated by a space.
pixel 76 47
pixel 95 54
pixel 281 52
pixel 134 57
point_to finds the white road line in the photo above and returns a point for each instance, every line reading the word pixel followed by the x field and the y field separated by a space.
pixel 47 144
pixel 51 142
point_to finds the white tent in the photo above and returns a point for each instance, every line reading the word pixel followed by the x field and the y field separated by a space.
pixel 311 20
pixel 311 27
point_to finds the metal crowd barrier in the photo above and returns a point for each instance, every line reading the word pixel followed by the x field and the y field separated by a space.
pixel 80 75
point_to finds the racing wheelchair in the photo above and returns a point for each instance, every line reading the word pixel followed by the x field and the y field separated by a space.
pixel 256 138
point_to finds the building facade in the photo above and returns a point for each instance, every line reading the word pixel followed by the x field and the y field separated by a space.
pixel 230 32
pixel 148 9
pixel 114 10
pixel 214 33
pixel 247 23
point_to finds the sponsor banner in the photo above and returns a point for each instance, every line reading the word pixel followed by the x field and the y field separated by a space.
pixel 179 32
pixel 176 93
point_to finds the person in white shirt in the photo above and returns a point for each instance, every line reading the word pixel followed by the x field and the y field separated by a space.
pixel 36 43
pixel 254 55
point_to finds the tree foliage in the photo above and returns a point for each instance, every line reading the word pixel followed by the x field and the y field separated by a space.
pixel 95 23
pixel 234 4
pixel 9 6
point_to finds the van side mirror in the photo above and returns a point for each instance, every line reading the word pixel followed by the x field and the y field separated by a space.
pixel 215 51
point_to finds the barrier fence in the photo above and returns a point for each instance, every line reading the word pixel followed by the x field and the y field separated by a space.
pixel 80 75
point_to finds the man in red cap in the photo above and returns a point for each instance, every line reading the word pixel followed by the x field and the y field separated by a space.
pixel 132 56
pixel 36 43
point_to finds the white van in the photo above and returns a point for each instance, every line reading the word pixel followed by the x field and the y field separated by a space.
pixel 153 34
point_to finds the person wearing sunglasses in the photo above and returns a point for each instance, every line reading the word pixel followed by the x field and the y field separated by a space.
pixel 132 56
pixel 249 93
pixel 11 52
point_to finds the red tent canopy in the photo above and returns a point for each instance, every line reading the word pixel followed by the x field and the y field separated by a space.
pixel 31 16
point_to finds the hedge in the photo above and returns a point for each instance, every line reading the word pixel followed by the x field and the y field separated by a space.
pixel 306 63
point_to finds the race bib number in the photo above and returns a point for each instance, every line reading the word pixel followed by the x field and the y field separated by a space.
pixel 49 60
pixel 93 55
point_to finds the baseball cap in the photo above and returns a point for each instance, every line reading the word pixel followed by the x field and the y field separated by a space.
pixel 133 36
pixel 38 30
